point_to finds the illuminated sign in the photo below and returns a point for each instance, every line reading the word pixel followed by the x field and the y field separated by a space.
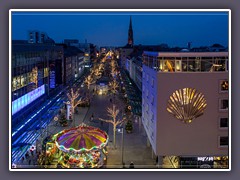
pixel 205 158
pixel 52 82
pixel 26 99
pixel 52 79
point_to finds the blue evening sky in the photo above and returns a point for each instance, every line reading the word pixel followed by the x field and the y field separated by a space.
pixel 111 28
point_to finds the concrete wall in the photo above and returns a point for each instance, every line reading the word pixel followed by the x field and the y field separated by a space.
pixel 201 137
pixel 173 137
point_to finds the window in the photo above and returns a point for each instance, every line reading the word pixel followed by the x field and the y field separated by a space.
pixel 147 108
pixel 223 141
pixel 152 82
pixel 152 99
pixel 147 93
pixel 223 122
pixel 178 65
pixel 224 86
pixel 223 104
pixel 152 135
pixel 152 117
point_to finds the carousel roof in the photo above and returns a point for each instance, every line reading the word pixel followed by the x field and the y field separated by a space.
pixel 80 139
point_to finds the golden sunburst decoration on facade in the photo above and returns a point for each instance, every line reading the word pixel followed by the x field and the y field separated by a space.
pixel 186 104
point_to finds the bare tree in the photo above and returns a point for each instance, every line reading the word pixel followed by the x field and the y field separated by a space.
pixel 113 113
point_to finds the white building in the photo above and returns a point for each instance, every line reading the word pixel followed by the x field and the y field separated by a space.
pixel 169 135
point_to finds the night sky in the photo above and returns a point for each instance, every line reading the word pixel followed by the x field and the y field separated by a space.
pixel 111 28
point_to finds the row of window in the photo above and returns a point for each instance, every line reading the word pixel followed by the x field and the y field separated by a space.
pixel 223 84
pixel 25 79
pixel 188 64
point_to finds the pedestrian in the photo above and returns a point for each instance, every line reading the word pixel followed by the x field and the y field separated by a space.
pixel 29 162
pixel 92 117
pixel 124 165
pixel 131 165
pixel 32 152
pixel 22 159
pixel 26 155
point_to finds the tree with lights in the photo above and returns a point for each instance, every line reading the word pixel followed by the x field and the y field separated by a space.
pixel 89 81
pixel 114 85
pixel 72 96
pixel 113 113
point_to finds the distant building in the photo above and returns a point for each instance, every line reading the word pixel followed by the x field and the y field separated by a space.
pixel 167 82
pixel 130 33
pixel 39 37
pixel 128 49
pixel 74 64
pixel 71 42
pixel 89 50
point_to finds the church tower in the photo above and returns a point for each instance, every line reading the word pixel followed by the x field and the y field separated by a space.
pixel 130 33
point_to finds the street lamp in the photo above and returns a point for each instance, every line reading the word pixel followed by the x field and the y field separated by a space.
pixel 121 130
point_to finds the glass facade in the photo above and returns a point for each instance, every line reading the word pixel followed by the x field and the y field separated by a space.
pixel 184 63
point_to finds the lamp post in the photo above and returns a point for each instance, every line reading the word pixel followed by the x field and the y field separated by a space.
pixel 121 130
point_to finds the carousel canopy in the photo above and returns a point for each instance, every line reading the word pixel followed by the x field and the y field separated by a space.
pixel 80 139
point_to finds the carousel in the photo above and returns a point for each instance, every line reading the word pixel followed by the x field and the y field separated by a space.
pixel 79 147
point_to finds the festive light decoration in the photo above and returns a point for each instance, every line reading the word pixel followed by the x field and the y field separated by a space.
pixel 81 139
pixel 72 96
pixel 88 81
pixel 114 85
pixel 34 78
pixel 186 104
pixel 113 113
pixel 32 148
pixel 14 165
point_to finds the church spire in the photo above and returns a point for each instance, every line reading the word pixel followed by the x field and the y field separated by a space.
pixel 130 33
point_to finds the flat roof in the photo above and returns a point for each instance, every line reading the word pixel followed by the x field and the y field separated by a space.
pixel 185 54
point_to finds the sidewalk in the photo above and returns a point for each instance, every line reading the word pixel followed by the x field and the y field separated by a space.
pixel 135 144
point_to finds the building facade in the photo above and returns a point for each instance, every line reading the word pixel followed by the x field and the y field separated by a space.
pixel 74 64
pixel 35 75
pixel 39 37
pixel 176 122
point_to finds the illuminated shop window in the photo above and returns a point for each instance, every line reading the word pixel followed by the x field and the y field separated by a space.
pixel 178 65
pixel 224 85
